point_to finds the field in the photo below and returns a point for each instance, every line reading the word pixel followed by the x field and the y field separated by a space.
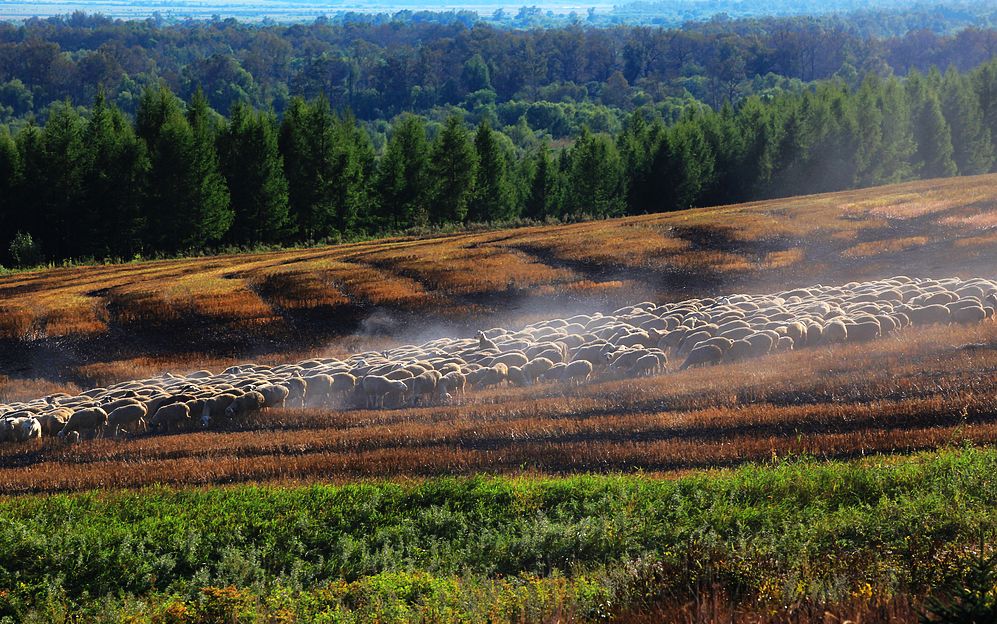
pixel 97 324
pixel 849 481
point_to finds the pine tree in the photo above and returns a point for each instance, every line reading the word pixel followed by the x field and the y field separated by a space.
pixel 973 150
pixel 540 201
pixel 58 187
pixel 682 168
pixel 453 166
pixel 985 85
pixel 296 144
pixel 493 198
pixel 637 145
pixel 30 188
pixel 116 169
pixel 188 199
pixel 726 134
pixel 869 126
pixel 254 170
pixel 894 160
pixel 933 158
pixel 156 104
pixel 215 214
pixel 327 168
pixel 402 185
pixel 10 166
pixel 594 182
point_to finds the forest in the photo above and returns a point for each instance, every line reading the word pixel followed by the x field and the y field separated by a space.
pixel 333 131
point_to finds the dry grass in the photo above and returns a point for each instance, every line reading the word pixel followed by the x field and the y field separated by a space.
pixel 934 226
pixel 917 391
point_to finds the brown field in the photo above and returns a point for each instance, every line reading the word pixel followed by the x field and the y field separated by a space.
pixel 75 323
pixel 67 329
pixel 923 389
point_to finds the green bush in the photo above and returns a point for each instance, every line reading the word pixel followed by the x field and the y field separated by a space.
pixel 25 251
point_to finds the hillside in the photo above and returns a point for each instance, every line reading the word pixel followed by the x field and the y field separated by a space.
pixel 245 305
pixel 845 478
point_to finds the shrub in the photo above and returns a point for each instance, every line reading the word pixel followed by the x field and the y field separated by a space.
pixel 25 251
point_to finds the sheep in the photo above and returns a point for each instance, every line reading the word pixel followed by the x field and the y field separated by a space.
pixel 170 417
pixel 423 386
pixel 452 385
pixel 646 365
pixel 215 407
pixel 594 354
pixel 249 403
pixel 533 369
pixel 92 420
pixel 126 417
pixel 344 383
pixel 741 350
pixel 785 343
pixel 73 437
pixel 52 422
pixel 319 389
pixel 835 331
pixel 489 377
pixel 376 388
pixel 621 362
pixel 512 358
pixel 702 356
pixel 21 429
pixel 577 372
pixel 297 388
pixel 274 395
pixel 928 314
pixel 516 377
pixel 761 343
pixel 690 341
pixel 110 406
pixel 968 314
pixel 484 343
pixel 863 331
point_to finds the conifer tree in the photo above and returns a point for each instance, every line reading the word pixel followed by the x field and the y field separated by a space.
pixel 188 199
pixel 493 198
pixel 252 165
pixel 594 181
pixel 542 193
pixel 985 85
pixel 897 145
pixel 932 135
pixel 973 149
pixel 10 166
pixel 326 165
pixel 453 165
pixel 403 184
pixel 58 187
pixel 116 170
pixel 869 132
pixel 637 144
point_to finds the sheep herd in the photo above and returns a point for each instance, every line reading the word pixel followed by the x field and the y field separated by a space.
pixel 634 341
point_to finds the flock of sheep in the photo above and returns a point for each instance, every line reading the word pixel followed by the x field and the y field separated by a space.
pixel 638 340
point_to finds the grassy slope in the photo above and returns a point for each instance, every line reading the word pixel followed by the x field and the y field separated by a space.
pixel 797 532
pixel 257 302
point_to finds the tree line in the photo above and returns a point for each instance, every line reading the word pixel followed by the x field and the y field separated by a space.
pixel 380 67
pixel 178 177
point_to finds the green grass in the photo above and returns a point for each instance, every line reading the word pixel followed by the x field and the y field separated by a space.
pixel 583 545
